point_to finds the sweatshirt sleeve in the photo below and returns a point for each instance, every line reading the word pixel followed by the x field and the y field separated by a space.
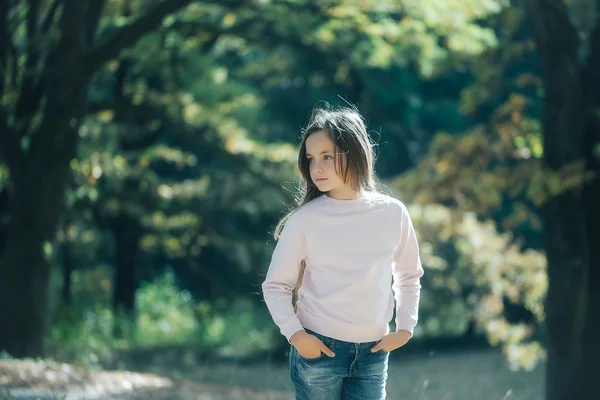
pixel 283 274
pixel 407 272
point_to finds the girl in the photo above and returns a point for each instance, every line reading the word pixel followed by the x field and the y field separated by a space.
pixel 354 250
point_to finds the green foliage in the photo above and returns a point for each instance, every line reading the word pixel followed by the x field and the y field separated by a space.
pixel 165 316
pixel 4 185
pixel 164 313
pixel 479 170
pixel 472 186
pixel 83 335
pixel 493 72
pixel 429 33
pixel 472 270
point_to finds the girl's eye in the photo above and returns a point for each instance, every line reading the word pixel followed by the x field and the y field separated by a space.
pixel 311 159
pixel 328 157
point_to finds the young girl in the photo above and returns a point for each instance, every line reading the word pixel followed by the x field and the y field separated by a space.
pixel 354 250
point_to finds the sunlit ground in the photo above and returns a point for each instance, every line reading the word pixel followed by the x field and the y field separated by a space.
pixel 446 375
pixel 469 375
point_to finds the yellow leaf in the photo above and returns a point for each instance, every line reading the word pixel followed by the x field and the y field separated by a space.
pixel 229 19
pixel 105 116
pixel 191 113
pixel 442 166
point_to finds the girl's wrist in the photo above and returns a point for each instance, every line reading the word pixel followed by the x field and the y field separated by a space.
pixel 295 336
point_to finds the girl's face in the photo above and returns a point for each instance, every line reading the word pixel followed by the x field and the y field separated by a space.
pixel 320 152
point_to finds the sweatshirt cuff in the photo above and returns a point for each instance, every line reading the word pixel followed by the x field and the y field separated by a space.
pixel 406 328
pixel 289 330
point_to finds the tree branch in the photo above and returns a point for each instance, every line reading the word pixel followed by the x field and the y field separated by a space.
pixel 27 103
pixel 3 41
pixel 590 78
pixel 72 24
pixel 10 149
pixel 128 35
pixel 32 20
pixel 552 27
pixel 63 84
pixel 49 19
pixel 558 44
pixel 93 15
pixel 14 58
pixel 593 60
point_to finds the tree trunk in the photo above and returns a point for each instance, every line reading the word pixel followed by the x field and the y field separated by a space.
pixel 572 219
pixel 3 217
pixel 571 330
pixel 591 201
pixel 24 268
pixel 126 282
pixel 24 315
pixel 67 271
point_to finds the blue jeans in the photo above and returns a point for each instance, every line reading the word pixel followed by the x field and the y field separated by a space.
pixel 353 374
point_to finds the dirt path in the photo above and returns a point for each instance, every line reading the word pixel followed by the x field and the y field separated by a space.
pixel 31 380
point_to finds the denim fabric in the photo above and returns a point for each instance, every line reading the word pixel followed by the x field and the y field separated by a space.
pixel 353 374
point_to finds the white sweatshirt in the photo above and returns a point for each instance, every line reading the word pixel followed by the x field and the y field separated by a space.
pixel 352 250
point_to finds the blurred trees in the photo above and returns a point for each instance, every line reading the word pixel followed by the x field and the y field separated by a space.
pixel 479 194
pixel 154 119
pixel 50 50
pixel 402 63
pixel 167 151
pixel 522 164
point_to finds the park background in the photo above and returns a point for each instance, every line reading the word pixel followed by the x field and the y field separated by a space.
pixel 148 149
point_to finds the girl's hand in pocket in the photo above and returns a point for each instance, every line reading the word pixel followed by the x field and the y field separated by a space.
pixel 392 341
pixel 309 346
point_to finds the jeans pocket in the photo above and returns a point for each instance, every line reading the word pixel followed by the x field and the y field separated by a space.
pixel 308 359
pixel 327 341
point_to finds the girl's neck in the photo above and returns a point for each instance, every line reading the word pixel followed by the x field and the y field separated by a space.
pixel 345 193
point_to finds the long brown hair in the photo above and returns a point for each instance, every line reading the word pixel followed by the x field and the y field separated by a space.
pixel 348 131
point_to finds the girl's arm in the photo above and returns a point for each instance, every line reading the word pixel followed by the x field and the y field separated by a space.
pixel 283 274
pixel 407 272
